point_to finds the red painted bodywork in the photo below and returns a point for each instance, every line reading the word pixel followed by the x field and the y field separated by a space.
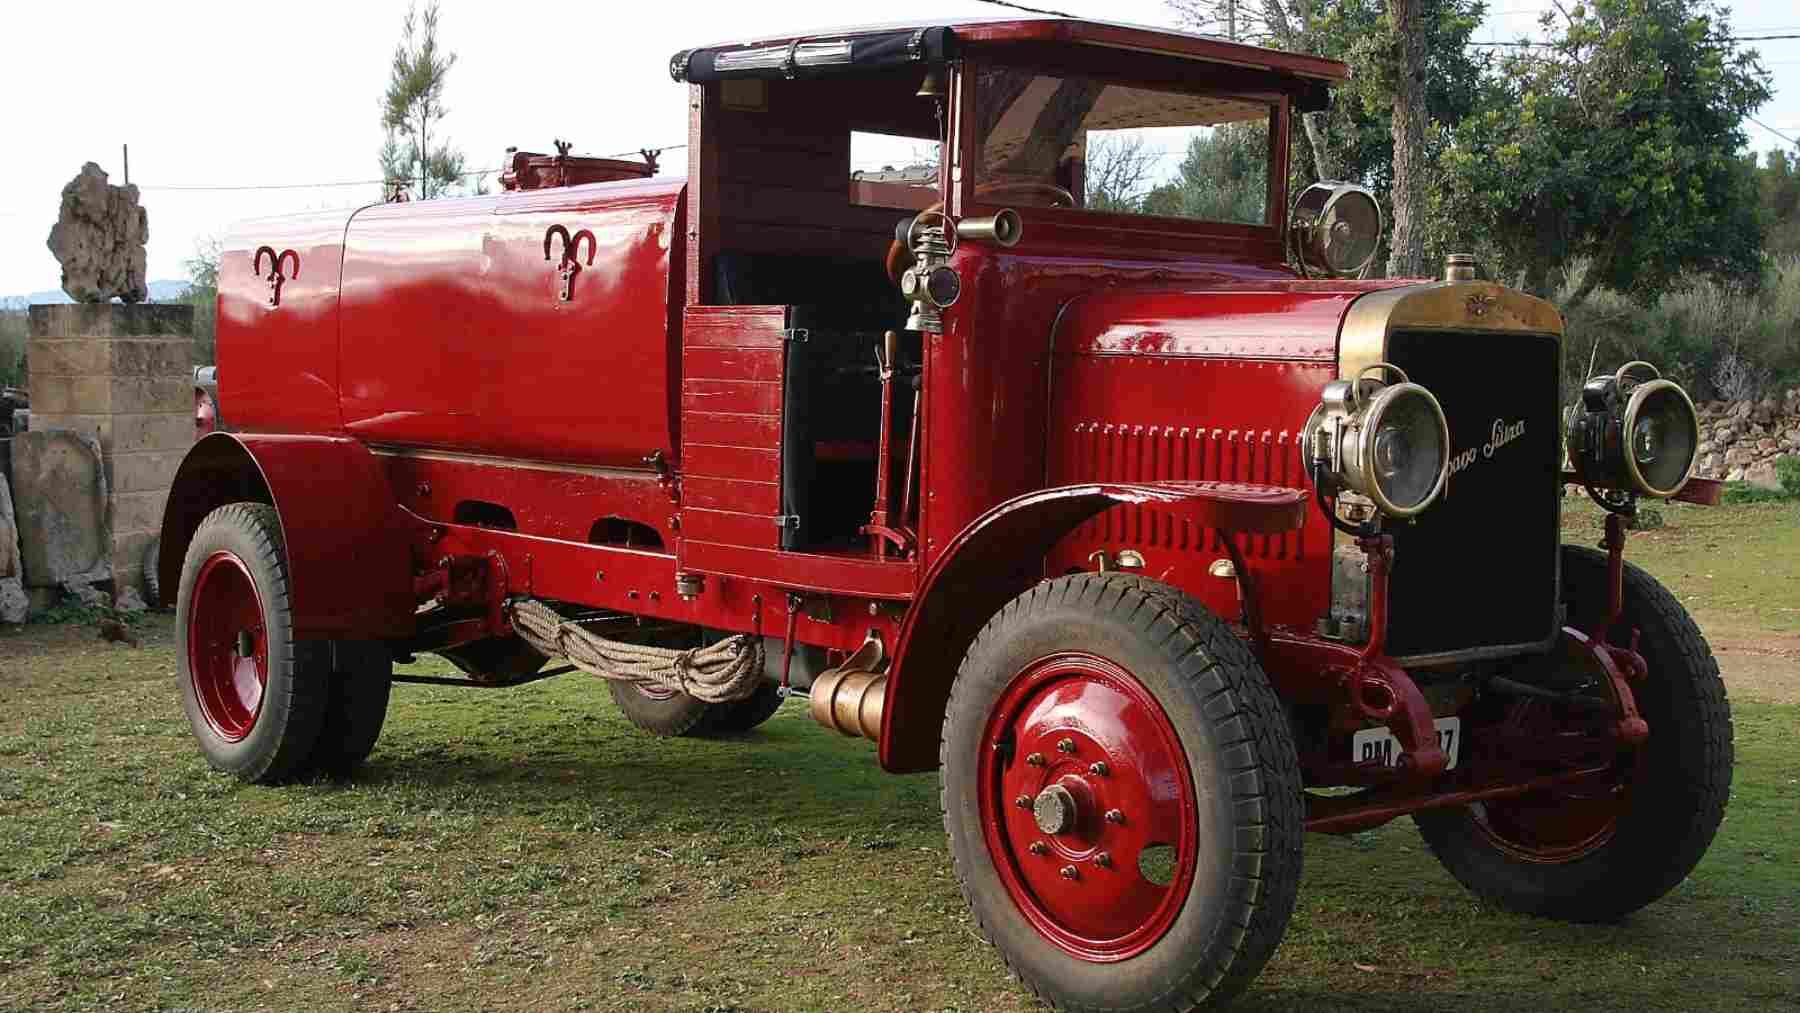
pixel 502 418
pixel 454 335
pixel 1001 554
pixel 541 393
pixel 349 574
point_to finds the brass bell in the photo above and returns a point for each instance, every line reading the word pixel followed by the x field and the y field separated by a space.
pixel 933 85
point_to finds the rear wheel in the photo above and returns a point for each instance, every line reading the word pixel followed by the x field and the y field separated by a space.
pixel 739 716
pixel 660 711
pixel 362 678
pixel 254 697
pixel 1122 796
pixel 1598 851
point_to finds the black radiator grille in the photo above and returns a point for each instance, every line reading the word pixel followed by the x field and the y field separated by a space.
pixel 1478 570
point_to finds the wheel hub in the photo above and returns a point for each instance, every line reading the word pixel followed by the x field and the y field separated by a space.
pixel 228 650
pixel 1103 784
pixel 1054 809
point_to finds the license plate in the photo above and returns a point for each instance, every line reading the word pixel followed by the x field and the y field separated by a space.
pixel 1378 745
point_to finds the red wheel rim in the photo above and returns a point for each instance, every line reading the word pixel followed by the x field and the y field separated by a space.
pixel 1560 824
pixel 1105 783
pixel 228 646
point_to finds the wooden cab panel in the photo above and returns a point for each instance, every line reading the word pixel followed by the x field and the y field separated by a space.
pixel 732 364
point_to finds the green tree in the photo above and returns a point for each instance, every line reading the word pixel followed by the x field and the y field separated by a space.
pixel 1613 145
pixel 1355 138
pixel 203 294
pixel 413 107
pixel 1778 183
pixel 1223 177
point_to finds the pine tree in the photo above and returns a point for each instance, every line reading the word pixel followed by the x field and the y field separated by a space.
pixel 413 107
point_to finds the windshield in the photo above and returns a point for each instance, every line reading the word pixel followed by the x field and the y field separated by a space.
pixel 1096 145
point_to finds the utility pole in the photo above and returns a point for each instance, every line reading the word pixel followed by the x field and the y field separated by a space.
pixel 126 148
pixel 1231 20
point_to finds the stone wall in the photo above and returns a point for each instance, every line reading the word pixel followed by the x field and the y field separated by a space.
pixel 1741 441
pixel 124 374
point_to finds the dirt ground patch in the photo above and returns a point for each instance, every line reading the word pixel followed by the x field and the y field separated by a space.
pixel 1757 665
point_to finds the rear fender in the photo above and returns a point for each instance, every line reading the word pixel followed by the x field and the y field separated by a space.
pixel 1001 554
pixel 349 568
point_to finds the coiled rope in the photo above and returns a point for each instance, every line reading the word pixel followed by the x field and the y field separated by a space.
pixel 728 670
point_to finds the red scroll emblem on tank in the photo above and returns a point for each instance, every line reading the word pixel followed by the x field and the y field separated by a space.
pixel 570 264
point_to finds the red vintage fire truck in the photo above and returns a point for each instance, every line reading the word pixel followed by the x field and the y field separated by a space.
pixel 1142 520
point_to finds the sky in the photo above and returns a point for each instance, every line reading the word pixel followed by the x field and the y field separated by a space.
pixel 232 94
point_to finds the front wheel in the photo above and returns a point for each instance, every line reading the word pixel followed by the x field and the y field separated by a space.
pixel 1597 852
pixel 1122 796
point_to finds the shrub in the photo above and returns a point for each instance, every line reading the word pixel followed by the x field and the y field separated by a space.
pixel 1787 471
pixel 12 348
pixel 1720 341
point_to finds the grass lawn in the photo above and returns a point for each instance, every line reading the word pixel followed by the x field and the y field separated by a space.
pixel 527 850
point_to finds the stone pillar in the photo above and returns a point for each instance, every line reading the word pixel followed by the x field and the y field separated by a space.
pixel 123 373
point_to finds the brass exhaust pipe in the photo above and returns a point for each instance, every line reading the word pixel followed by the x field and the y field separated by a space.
pixel 849 701
pixel 1003 228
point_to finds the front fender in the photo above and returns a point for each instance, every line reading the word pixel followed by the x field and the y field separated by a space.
pixel 1001 554
pixel 349 568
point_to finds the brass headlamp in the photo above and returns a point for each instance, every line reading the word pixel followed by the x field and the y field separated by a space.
pixel 1388 443
pixel 1635 432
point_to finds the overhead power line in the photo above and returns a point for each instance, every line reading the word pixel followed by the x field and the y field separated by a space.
pixel 1772 130
pixel 220 187
pixel 1730 38
pixel 1030 10
pixel 299 186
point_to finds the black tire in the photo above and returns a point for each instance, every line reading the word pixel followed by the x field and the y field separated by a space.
pixel 362 679
pixel 1238 750
pixel 1668 822
pixel 285 727
pixel 665 715
pixel 740 716
pixel 497 661
pixel 152 579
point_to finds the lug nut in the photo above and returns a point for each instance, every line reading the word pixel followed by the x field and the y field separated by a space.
pixel 1035 759
pixel 1039 848
pixel 1070 872
pixel 1103 860
pixel 1065 745
pixel 1099 769
pixel 1114 816
pixel 1023 801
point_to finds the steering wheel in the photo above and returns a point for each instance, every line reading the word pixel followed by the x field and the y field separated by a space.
pixel 899 257
pixel 1025 189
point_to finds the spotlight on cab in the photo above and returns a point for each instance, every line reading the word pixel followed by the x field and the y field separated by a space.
pixel 1335 229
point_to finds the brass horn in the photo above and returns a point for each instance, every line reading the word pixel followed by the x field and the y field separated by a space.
pixel 1003 228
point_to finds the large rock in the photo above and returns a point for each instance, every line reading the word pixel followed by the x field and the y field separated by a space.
pixel 9 534
pixel 1739 456
pixel 99 239
pixel 61 485
pixel 15 604
pixel 1763 476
